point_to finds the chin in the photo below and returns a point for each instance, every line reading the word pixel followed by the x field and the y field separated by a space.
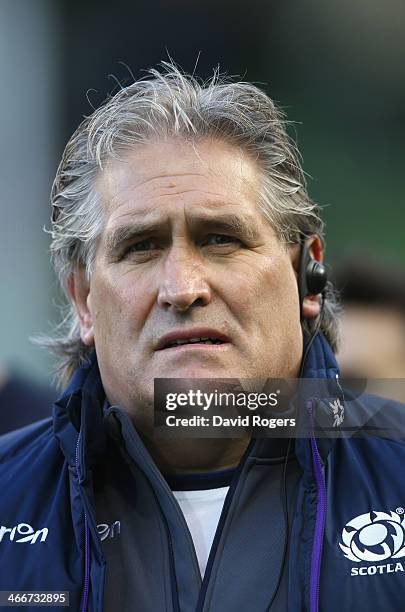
pixel 195 371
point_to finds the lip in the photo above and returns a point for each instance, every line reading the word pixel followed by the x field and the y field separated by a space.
pixel 197 332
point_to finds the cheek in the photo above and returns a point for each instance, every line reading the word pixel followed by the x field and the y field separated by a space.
pixel 287 290
pixel 119 307
pixel 270 287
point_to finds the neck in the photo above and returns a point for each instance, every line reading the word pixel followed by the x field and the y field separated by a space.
pixel 180 456
pixel 183 455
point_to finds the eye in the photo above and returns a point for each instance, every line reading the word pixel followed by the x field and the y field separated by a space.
pixel 220 239
pixel 142 246
pixel 149 244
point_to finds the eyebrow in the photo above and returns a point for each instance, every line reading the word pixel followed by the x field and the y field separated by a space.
pixel 225 222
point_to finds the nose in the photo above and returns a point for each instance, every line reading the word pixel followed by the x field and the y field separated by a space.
pixel 184 282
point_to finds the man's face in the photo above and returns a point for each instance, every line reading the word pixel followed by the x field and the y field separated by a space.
pixel 185 250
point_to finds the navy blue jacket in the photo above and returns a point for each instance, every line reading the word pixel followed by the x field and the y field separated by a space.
pixel 343 547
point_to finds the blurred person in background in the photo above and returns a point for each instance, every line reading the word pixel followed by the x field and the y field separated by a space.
pixel 373 322
pixel 188 246
pixel 22 401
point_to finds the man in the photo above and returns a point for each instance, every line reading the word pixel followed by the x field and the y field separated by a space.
pixel 373 296
pixel 188 246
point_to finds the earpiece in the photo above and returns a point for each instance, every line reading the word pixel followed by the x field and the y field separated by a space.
pixel 312 277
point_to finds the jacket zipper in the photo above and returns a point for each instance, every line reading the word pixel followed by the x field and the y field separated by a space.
pixel 319 520
pixel 221 523
pixel 175 590
pixel 173 579
pixel 83 605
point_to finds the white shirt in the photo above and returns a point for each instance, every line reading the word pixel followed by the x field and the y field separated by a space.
pixel 202 510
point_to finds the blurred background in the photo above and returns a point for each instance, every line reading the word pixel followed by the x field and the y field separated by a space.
pixel 337 69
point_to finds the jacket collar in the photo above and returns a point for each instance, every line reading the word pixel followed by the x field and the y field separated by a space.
pixel 80 409
pixel 320 361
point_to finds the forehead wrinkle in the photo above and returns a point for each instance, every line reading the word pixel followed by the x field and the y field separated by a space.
pixel 231 221
pixel 240 223
pixel 114 174
pixel 119 185
pixel 207 198
pixel 165 180
pixel 210 210
pixel 115 196
pixel 121 198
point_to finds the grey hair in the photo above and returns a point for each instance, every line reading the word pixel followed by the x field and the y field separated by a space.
pixel 168 103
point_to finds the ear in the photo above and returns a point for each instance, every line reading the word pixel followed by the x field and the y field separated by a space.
pixel 79 291
pixel 311 306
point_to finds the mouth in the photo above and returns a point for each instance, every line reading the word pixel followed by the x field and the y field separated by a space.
pixel 194 343
pixel 186 340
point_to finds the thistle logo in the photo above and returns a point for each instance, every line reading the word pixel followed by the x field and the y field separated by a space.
pixel 338 412
pixel 375 536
